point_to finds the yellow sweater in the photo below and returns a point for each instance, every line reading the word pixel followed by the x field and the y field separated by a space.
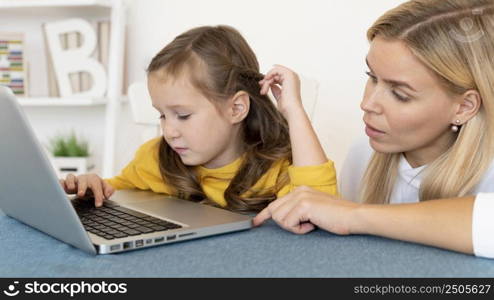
pixel 143 173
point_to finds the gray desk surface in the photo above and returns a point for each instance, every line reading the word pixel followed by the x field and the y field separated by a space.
pixel 267 251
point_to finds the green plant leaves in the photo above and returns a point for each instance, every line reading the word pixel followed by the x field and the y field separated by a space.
pixel 69 146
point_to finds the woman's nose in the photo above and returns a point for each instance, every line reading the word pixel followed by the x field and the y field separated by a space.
pixel 371 101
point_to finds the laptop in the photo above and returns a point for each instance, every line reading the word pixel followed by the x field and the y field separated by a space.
pixel 30 192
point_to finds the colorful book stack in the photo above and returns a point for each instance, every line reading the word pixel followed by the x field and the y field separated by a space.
pixel 12 69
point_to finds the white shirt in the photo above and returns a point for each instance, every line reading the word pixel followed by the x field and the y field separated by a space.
pixel 406 190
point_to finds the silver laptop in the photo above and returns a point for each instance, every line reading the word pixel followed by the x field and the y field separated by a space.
pixel 131 219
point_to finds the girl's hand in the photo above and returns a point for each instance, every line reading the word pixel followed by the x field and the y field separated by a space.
pixel 83 185
pixel 305 208
pixel 285 86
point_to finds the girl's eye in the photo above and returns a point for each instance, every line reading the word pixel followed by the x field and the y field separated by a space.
pixel 180 117
pixel 400 97
pixel 372 77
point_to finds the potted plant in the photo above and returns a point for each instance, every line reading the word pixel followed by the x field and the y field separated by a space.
pixel 70 155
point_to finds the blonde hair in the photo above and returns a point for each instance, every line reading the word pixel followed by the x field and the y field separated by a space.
pixel 434 30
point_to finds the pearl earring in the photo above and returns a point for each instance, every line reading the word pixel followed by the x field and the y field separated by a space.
pixel 455 127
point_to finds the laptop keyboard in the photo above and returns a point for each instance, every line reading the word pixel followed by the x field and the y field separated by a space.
pixel 113 221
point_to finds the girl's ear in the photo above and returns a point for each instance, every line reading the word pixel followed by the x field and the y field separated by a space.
pixel 239 107
pixel 468 107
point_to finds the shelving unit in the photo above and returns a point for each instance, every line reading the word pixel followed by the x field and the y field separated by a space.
pixel 32 11
pixel 51 101
pixel 52 3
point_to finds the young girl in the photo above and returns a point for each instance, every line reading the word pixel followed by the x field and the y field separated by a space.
pixel 223 142
pixel 428 110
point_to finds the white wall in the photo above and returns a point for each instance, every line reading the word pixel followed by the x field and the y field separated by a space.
pixel 321 39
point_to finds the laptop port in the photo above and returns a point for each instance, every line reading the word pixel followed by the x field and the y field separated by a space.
pixel 159 240
pixel 186 234
pixel 171 237
pixel 139 243
pixel 115 247
pixel 127 245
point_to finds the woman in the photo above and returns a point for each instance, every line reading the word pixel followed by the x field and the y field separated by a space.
pixel 428 109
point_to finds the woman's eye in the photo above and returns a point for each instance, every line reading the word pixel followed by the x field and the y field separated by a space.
pixel 183 117
pixel 400 97
pixel 371 76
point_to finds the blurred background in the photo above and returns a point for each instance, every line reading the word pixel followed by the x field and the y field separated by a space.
pixel 322 40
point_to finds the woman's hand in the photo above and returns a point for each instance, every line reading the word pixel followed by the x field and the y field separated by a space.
pixel 285 86
pixel 82 185
pixel 443 223
pixel 305 208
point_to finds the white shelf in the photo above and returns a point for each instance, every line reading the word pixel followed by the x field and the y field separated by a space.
pixel 52 3
pixel 50 101
pixel 33 13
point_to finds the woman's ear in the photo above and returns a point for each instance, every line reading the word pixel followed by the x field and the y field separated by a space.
pixel 239 107
pixel 469 106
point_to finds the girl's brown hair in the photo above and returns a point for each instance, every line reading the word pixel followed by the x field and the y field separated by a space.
pixel 220 64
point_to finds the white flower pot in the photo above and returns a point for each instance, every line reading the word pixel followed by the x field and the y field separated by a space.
pixel 72 165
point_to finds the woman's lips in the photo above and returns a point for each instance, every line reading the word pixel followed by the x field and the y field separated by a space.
pixel 373 132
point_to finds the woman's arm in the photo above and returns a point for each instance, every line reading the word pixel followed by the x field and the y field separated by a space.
pixel 285 85
pixel 445 223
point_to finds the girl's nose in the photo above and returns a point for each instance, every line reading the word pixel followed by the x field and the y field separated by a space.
pixel 170 132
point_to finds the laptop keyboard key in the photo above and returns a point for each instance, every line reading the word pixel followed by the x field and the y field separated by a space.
pixel 151 219
pixel 120 235
pixel 173 226
pixel 162 223
pixel 113 221
pixel 132 232
pixel 120 227
pixel 144 223
pixel 144 229
pixel 109 230
pixel 159 228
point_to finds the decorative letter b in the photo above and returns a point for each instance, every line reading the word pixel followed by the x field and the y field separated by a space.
pixel 75 60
